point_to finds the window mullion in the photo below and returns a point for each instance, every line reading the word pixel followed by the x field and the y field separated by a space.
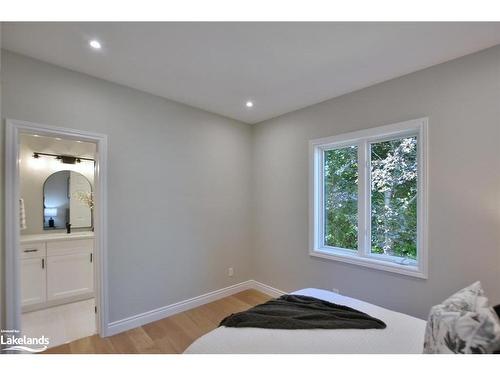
pixel 362 198
pixel 321 187
pixel 368 200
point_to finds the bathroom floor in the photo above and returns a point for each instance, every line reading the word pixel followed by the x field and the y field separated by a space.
pixel 61 324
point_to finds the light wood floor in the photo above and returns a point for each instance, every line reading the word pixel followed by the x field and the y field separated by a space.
pixel 170 335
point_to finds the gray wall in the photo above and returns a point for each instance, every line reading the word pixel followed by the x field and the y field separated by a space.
pixel 461 99
pixel 179 187
pixel 2 252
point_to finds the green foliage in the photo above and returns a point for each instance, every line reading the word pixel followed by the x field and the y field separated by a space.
pixel 393 197
pixel 341 198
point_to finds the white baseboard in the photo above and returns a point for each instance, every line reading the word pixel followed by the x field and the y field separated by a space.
pixel 175 308
pixel 273 292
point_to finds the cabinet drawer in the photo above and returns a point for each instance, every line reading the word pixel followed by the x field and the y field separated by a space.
pixel 70 247
pixel 33 250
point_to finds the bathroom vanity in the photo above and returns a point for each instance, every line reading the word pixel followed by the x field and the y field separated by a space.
pixel 56 268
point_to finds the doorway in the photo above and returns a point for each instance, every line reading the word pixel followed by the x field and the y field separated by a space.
pixel 61 258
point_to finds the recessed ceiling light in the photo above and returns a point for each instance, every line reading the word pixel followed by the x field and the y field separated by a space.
pixel 249 104
pixel 95 44
pixel 78 141
pixel 58 139
pixel 35 135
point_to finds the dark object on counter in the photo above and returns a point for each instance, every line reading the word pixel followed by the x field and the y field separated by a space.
pixel 68 228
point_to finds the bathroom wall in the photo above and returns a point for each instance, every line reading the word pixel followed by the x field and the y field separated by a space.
pixel 33 173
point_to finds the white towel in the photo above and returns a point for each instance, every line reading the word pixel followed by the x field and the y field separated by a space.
pixel 22 214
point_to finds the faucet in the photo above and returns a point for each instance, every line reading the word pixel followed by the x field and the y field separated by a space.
pixel 68 228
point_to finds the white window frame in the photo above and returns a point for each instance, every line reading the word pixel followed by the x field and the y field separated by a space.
pixel 362 256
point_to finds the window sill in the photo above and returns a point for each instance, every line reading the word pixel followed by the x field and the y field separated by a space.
pixel 379 264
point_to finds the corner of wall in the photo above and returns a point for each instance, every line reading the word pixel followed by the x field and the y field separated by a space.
pixel 253 211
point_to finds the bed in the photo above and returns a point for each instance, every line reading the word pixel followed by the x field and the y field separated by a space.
pixel 404 334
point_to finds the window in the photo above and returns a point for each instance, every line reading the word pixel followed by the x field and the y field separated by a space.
pixel 368 198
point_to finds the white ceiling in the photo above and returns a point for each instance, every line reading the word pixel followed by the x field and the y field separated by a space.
pixel 219 66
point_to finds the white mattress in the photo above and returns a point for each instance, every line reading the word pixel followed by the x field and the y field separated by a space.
pixel 403 334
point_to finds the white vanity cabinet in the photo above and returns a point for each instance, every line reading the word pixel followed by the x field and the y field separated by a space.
pixel 69 268
pixel 57 270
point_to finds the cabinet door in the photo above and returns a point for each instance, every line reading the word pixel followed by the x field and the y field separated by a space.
pixel 33 282
pixel 69 275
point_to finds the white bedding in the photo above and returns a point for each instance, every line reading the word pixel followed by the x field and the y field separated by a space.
pixel 403 334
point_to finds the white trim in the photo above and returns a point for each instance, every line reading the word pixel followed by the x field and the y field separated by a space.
pixel 12 237
pixel 269 290
pixel 376 133
pixel 370 263
pixel 363 200
pixel 362 139
pixel 11 199
pixel 138 320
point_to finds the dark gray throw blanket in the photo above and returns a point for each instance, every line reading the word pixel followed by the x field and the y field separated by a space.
pixel 301 312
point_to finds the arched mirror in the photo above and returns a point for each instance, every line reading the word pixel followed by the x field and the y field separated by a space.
pixel 67 199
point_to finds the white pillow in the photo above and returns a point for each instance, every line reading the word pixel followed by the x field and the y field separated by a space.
pixel 463 323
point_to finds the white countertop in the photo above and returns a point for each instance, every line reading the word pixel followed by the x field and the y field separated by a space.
pixel 29 238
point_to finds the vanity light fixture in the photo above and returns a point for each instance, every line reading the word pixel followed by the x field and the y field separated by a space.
pixel 66 159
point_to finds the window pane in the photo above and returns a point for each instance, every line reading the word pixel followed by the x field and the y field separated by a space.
pixel 341 197
pixel 394 197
